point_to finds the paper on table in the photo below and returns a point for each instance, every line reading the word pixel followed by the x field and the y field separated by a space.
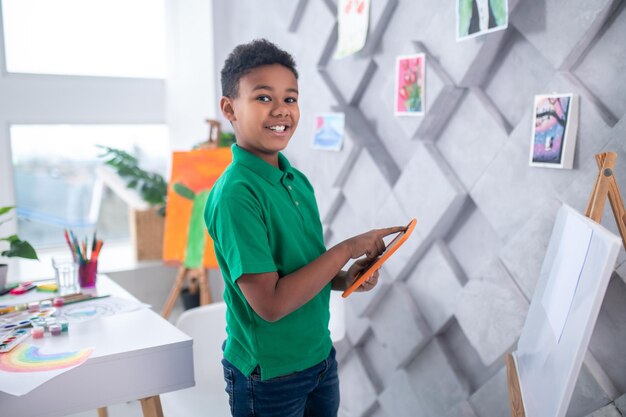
pixel 101 307
pixel 565 274
pixel 36 367
pixel 52 356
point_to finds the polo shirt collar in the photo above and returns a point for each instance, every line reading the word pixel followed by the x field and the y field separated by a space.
pixel 268 172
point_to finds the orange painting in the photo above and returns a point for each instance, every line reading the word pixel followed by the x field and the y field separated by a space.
pixel 186 240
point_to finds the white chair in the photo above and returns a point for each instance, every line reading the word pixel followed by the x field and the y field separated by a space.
pixel 207 326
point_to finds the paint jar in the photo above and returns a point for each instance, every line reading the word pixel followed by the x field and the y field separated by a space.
pixel 37 332
pixel 55 329
pixel 87 274
pixel 66 274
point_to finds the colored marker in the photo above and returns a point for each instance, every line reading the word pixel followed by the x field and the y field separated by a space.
pixel 23 288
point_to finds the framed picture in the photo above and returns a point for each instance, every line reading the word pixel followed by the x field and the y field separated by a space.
pixel 329 130
pixel 478 17
pixel 555 124
pixel 409 86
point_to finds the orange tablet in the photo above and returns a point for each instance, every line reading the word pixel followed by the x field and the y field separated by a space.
pixel 389 250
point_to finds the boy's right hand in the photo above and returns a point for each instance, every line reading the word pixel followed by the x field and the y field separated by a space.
pixel 370 243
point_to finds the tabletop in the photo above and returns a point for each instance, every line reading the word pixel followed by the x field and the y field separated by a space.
pixel 137 355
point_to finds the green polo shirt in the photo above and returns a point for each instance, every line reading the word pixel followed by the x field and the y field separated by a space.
pixel 265 219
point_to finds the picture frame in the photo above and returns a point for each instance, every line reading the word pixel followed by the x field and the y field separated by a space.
pixel 409 87
pixel 479 17
pixel 554 129
pixel 329 131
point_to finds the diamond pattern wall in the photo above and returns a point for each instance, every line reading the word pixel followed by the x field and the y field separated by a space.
pixel 430 340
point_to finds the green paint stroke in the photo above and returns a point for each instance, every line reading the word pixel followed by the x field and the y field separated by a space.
pixel 196 241
pixel 498 8
pixel 465 15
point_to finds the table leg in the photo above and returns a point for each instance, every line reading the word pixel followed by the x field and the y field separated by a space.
pixel 102 412
pixel 151 406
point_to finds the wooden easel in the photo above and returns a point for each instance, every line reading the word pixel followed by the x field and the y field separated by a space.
pixel 198 277
pixel 198 280
pixel 605 185
pixel 215 128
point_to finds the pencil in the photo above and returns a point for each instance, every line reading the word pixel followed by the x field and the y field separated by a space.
pixel 89 298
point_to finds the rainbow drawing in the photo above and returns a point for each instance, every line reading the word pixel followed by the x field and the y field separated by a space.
pixel 27 358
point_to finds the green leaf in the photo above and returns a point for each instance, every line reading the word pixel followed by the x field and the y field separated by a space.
pixel 19 248
pixel 152 187
pixel 184 191
pixel 7 209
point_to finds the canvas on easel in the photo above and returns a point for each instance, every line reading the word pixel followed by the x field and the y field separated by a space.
pixel 579 261
pixel 186 241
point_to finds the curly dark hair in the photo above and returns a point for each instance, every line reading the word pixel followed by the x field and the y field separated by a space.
pixel 246 57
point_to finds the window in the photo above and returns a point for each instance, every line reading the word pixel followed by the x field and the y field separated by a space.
pixel 55 179
pixel 117 38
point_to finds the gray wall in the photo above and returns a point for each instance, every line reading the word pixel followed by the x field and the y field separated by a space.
pixel 431 339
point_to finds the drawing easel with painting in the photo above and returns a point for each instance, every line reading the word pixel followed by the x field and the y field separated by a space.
pixel 186 242
pixel 542 373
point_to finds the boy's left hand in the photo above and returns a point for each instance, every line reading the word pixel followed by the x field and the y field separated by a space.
pixel 360 266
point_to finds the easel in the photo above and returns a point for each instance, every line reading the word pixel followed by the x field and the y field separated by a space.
pixel 198 277
pixel 605 185
pixel 198 280
pixel 214 135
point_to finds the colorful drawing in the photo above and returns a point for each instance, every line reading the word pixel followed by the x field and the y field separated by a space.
pixel 478 17
pixel 103 307
pixel 28 358
pixel 329 130
pixel 186 240
pixel 353 23
pixel 409 86
pixel 554 131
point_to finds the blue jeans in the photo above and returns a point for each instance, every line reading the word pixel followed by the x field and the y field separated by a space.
pixel 313 392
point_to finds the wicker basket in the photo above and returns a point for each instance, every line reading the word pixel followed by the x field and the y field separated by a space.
pixel 146 229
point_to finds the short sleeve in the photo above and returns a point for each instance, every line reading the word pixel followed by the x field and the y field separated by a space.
pixel 241 235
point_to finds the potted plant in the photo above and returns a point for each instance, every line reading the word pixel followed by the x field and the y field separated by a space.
pixel 151 186
pixel 146 224
pixel 17 247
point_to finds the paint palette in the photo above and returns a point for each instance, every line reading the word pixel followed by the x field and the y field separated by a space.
pixel 12 339
pixel 23 318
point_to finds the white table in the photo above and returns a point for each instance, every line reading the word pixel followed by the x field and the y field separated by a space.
pixel 138 355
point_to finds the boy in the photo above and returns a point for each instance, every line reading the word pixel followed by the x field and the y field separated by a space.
pixel 263 218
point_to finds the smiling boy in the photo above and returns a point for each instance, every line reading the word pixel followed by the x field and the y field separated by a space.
pixel 278 274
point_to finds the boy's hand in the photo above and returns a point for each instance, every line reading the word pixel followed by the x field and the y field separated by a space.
pixel 371 243
pixel 356 269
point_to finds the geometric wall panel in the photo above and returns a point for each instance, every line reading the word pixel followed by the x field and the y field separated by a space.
pixel 602 69
pixel 491 312
pixel 397 323
pixel 453 300
pixel 435 286
pixel 428 189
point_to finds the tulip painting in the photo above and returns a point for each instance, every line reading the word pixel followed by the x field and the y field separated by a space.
pixel 409 92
